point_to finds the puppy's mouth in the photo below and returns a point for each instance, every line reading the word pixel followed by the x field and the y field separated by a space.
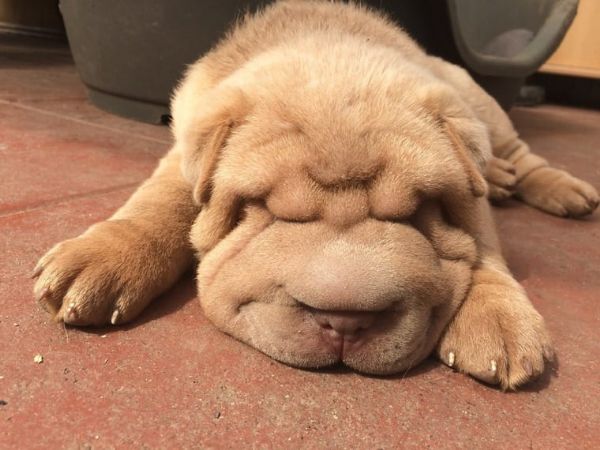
pixel 378 342
pixel 344 333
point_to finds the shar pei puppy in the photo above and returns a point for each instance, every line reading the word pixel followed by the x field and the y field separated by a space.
pixel 332 179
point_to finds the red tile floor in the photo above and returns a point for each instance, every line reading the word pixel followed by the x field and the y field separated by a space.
pixel 170 380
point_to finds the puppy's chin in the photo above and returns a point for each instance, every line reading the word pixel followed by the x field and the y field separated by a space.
pixel 252 282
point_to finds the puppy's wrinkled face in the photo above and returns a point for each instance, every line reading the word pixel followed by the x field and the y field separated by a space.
pixel 332 232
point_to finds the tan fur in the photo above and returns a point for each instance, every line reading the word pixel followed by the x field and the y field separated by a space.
pixel 324 167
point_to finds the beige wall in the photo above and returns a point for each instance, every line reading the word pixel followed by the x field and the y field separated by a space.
pixel 579 53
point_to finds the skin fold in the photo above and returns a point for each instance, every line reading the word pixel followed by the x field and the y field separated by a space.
pixel 333 181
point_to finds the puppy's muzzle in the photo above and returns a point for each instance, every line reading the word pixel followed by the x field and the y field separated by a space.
pixel 345 276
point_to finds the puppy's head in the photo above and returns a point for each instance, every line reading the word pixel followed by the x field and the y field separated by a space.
pixel 337 218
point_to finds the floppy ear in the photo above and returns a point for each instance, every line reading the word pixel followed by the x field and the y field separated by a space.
pixel 222 111
pixel 465 156
pixel 206 135
pixel 468 135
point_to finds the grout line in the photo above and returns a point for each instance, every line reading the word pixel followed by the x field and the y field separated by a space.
pixel 80 121
pixel 55 202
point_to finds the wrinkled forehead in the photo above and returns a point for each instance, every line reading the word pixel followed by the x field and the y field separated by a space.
pixel 301 167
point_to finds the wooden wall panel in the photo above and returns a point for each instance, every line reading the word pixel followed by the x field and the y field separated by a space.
pixel 579 53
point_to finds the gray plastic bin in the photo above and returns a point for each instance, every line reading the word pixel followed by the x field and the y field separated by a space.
pixel 130 53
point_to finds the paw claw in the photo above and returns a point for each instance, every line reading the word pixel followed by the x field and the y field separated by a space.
pixel 71 311
pixel 114 317
pixel 37 271
pixel 493 366
pixel 450 359
pixel 45 292
pixel 528 367
pixel 548 352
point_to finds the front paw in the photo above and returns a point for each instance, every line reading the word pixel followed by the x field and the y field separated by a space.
pixel 497 339
pixel 557 192
pixel 98 278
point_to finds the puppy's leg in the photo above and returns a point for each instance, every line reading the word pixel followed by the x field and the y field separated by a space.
pixel 114 269
pixel 497 336
pixel 537 183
